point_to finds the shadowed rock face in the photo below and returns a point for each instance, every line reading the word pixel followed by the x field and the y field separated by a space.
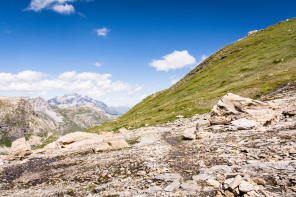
pixel 18 118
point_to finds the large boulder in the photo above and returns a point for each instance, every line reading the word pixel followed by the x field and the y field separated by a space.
pixel 73 142
pixel 189 133
pixel 112 145
pixel 80 141
pixel 232 107
pixel 20 148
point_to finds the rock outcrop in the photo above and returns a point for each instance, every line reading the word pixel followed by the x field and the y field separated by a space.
pixel 81 141
pixel 232 107
pixel 20 149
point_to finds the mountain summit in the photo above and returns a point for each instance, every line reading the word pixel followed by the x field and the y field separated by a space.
pixel 76 100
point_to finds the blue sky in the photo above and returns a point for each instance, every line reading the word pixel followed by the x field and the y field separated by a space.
pixel 118 51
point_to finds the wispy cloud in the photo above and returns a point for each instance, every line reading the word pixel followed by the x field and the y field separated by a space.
pixel 97 64
pixel 175 60
pixel 64 9
pixel 134 90
pixel 59 6
pixel 86 83
pixel 102 31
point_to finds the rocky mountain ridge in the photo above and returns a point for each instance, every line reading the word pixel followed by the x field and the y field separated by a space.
pixel 25 116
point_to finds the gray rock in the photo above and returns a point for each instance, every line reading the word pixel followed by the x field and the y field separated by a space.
pixel 201 177
pixel 153 190
pixel 168 177
pixel 190 186
pixel 283 165
pixel 225 168
pixel 100 188
pixel 173 186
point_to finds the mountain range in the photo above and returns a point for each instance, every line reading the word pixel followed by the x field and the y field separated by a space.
pixel 25 116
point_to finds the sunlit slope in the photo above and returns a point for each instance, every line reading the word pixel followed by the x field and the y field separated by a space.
pixel 250 67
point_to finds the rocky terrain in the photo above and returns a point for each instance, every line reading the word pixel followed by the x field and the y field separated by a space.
pixel 243 147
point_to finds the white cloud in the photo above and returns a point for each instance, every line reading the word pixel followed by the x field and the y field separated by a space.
pixel 97 64
pixel 64 9
pixel 59 6
pixel 90 84
pixel 29 75
pixel 102 31
pixel 136 89
pixel 175 60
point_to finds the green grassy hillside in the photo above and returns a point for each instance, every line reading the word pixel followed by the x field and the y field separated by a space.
pixel 250 67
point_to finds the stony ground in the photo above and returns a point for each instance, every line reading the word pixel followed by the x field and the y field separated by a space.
pixel 161 163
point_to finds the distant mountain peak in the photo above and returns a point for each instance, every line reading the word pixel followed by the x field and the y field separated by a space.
pixel 77 100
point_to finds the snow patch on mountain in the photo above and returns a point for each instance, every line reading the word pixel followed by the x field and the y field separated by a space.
pixel 76 100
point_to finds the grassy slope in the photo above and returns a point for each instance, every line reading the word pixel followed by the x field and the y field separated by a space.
pixel 250 67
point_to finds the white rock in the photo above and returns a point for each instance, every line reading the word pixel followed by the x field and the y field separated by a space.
pixel 189 133
pixel 245 186
pixel 232 107
pixel 227 182
pixel 252 32
pixel 168 177
pixel 244 124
